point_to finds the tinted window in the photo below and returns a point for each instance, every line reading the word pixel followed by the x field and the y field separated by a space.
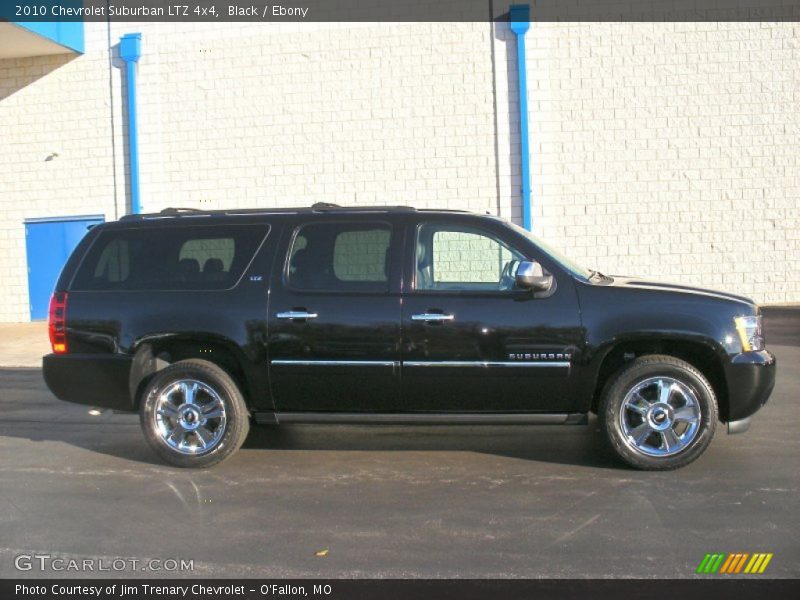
pixel 218 250
pixel 452 258
pixel 169 258
pixel 340 257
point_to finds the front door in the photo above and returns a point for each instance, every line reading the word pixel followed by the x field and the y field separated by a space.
pixel 334 322
pixel 472 340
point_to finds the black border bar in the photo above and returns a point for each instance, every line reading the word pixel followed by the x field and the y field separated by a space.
pixel 410 589
pixel 278 11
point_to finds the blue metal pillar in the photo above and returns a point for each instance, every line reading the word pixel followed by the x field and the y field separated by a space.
pixel 130 50
pixel 520 15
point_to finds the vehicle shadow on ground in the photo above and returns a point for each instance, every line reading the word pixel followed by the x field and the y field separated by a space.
pixel 124 441
pixel 129 447
pixel 571 445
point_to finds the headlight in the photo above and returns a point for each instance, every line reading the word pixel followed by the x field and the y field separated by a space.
pixel 749 329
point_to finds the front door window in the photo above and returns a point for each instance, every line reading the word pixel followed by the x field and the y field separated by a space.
pixel 463 259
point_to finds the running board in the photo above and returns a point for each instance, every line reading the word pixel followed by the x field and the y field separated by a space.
pixel 275 418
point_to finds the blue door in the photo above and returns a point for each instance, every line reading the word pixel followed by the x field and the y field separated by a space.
pixel 49 242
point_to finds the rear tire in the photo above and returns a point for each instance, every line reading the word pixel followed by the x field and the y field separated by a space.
pixel 658 413
pixel 193 414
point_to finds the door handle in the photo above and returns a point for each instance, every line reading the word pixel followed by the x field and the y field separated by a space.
pixel 296 314
pixel 432 317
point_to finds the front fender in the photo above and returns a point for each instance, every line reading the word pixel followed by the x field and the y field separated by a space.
pixel 648 321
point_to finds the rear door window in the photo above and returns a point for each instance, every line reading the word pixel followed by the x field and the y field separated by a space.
pixel 340 257
pixel 169 258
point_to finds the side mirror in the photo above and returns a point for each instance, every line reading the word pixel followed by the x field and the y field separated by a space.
pixel 531 276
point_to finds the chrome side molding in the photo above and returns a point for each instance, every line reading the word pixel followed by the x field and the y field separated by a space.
pixel 337 363
pixel 480 363
pixel 296 314
pixel 422 363
pixel 432 317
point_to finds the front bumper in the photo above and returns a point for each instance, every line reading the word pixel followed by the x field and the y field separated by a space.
pixel 91 379
pixel 750 377
pixel 739 426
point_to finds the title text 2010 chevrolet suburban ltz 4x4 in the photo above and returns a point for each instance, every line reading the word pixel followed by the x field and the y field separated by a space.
pixel 203 320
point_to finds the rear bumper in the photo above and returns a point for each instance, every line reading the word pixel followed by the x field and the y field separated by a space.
pixel 91 379
pixel 750 377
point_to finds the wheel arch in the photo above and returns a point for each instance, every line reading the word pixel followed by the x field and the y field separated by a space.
pixel 155 353
pixel 703 354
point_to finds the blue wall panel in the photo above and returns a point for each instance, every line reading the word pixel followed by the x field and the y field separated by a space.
pixel 49 242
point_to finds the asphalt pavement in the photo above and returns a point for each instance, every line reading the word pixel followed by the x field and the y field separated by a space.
pixel 346 501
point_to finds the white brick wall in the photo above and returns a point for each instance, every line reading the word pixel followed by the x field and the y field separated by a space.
pixel 670 150
pixel 51 105
pixel 667 150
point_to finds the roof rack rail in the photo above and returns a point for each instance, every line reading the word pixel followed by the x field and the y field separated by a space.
pixel 322 206
pixel 174 211
pixel 319 207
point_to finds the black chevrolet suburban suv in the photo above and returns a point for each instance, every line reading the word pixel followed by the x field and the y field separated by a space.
pixel 204 320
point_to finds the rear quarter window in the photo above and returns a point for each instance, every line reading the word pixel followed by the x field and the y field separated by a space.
pixel 169 258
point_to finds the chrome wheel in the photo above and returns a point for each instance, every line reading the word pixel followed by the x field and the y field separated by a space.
pixel 660 416
pixel 190 417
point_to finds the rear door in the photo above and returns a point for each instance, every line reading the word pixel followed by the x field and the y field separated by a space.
pixel 334 317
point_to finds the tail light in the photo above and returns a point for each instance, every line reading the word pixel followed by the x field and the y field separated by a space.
pixel 57 323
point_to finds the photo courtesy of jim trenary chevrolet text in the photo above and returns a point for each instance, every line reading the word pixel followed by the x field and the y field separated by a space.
pixel 360 299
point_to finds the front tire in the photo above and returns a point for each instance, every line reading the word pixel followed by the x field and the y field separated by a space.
pixel 193 414
pixel 659 413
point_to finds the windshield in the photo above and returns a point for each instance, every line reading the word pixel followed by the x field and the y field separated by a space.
pixel 567 263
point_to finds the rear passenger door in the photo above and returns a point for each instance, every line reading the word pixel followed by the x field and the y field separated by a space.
pixel 334 317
